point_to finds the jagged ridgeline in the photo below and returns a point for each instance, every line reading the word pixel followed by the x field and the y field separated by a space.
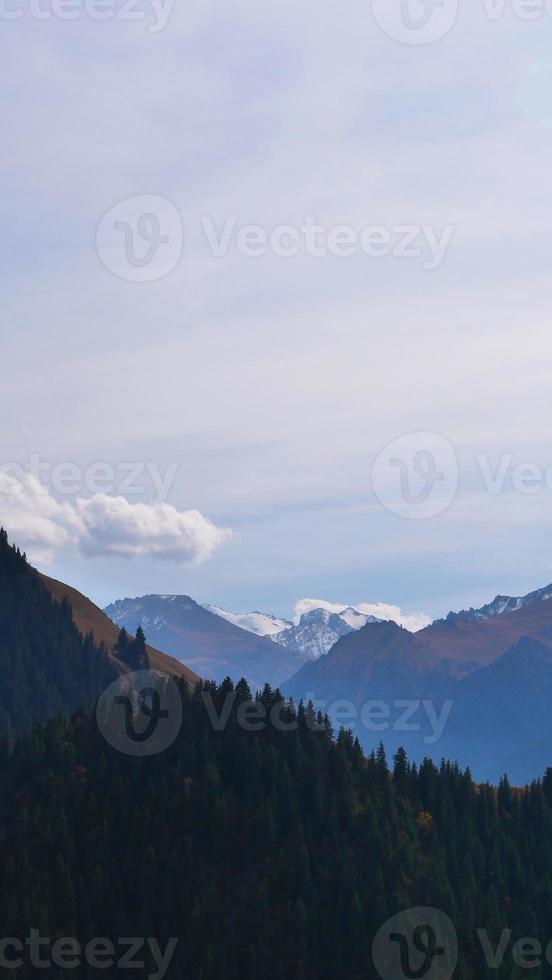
pixel 46 666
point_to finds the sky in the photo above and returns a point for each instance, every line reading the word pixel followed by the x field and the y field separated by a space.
pixel 200 397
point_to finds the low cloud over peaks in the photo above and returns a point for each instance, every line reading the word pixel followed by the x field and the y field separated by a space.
pixel 411 621
pixel 103 525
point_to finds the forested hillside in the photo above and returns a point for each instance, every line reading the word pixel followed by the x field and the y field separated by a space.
pixel 269 855
pixel 46 665
pixel 89 618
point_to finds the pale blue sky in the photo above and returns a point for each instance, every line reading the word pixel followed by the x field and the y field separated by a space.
pixel 274 383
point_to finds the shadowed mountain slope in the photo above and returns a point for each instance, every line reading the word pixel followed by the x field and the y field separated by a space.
pixel 204 641
pixel 477 691
pixel 89 617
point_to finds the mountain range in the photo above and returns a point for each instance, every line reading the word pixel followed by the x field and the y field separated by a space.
pixel 217 643
pixel 293 846
pixel 312 636
pixel 209 644
pixel 477 683
pixel 501 604
pixel 475 687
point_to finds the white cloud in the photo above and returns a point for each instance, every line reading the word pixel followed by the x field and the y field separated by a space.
pixel 103 525
pixel 35 520
pixel 411 621
pixel 115 527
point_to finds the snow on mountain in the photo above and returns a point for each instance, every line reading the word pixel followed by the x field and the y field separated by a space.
pixel 128 612
pixel 501 604
pixel 313 633
pixel 355 619
pixel 316 632
pixel 366 612
pixel 210 644
pixel 263 624
pixel 318 624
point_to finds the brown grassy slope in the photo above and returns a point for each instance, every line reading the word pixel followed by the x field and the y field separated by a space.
pixel 486 641
pixel 88 617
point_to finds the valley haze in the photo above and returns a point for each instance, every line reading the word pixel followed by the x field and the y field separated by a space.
pixel 474 686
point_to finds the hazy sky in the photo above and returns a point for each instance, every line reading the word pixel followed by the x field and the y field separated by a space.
pixel 273 382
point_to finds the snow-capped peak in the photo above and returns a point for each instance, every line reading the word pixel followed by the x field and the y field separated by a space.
pixel 362 613
pixel 319 624
pixel 502 604
pixel 263 624
pixel 355 619
pixel 313 634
